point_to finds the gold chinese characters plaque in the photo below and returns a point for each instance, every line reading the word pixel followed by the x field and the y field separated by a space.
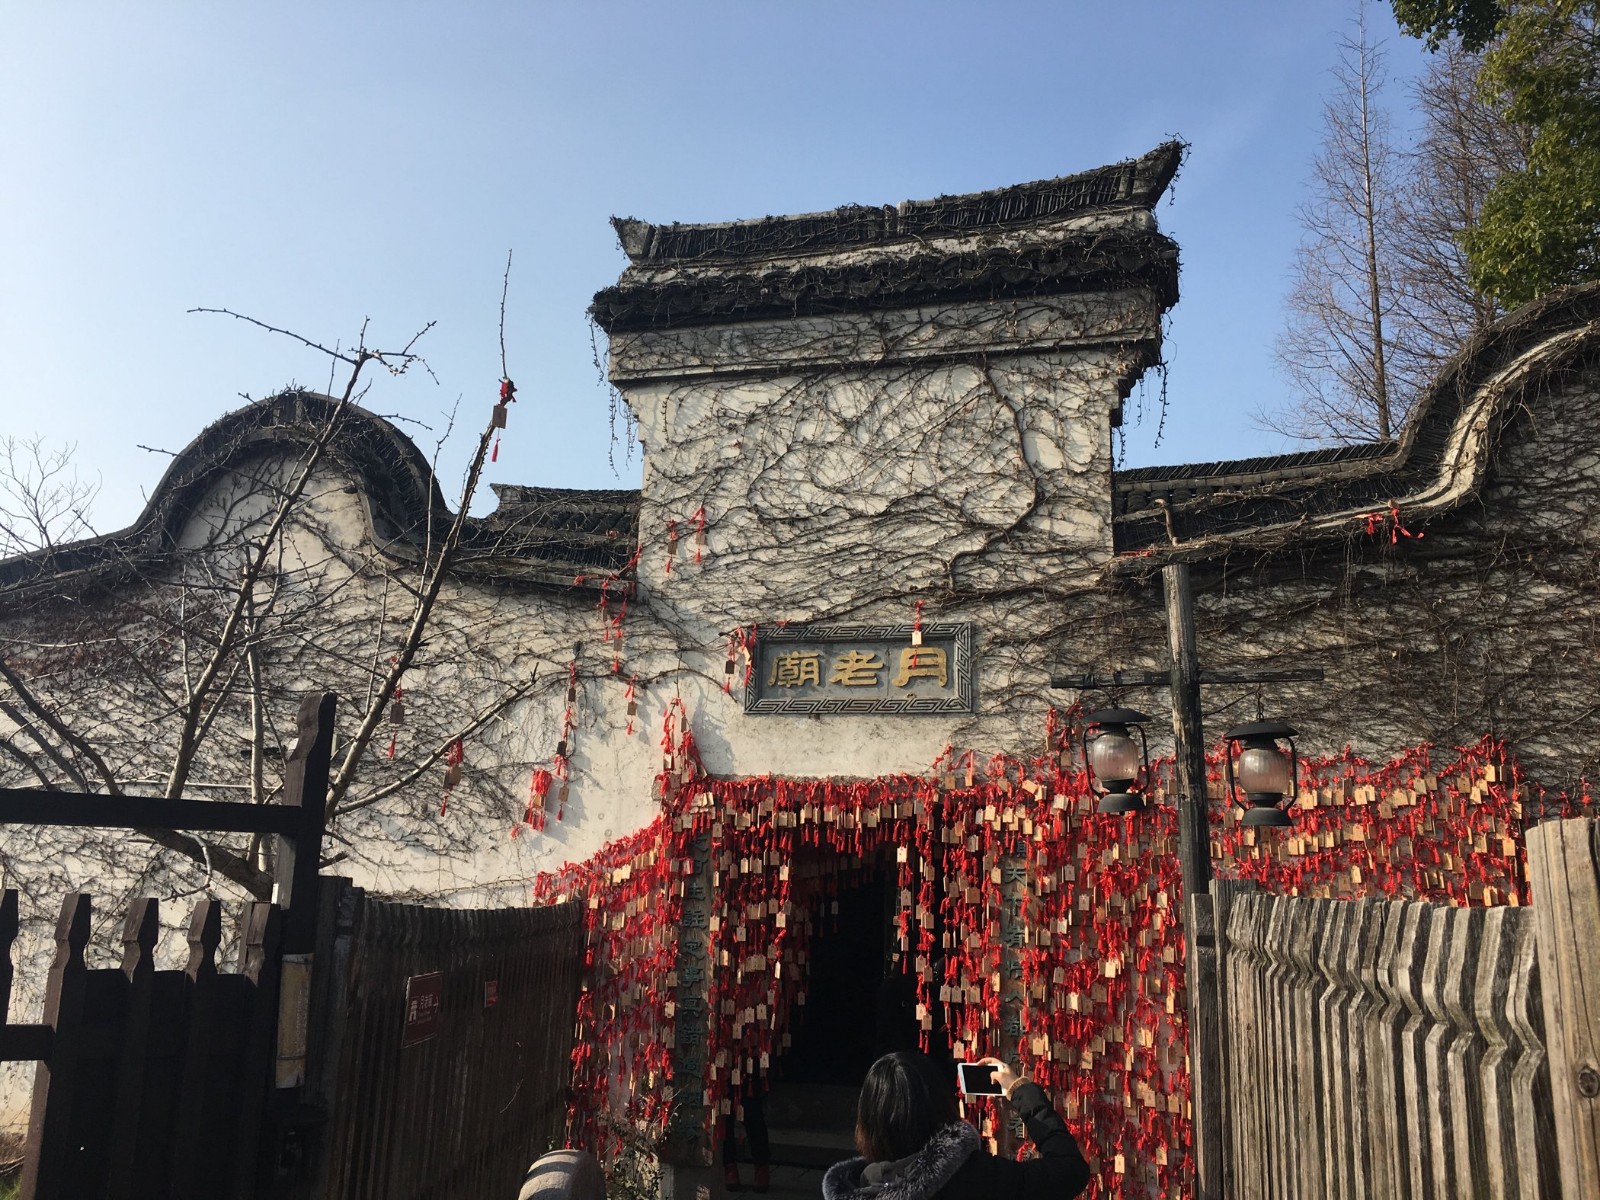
pixel 863 669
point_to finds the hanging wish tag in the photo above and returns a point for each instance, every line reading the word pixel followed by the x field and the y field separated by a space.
pixel 499 419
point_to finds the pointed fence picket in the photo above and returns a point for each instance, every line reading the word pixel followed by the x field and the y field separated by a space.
pixel 1411 1050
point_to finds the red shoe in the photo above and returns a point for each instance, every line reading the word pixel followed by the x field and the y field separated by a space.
pixel 763 1178
pixel 730 1178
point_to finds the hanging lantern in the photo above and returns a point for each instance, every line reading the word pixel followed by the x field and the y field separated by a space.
pixel 1262 770
pixel 1115 761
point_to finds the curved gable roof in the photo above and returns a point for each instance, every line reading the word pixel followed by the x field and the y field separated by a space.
pixel 550 536
pixel 1194 511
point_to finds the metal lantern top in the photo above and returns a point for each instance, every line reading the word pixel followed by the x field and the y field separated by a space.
pixel 1105 717
pixel 1270 730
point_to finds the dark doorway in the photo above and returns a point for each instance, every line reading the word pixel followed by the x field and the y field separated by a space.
pixel 834 1033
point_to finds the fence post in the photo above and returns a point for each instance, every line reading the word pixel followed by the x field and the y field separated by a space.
pixel 305 786
pixel 49 1130
pixel 1564 875
pixel 140 930
pixel 1208 1032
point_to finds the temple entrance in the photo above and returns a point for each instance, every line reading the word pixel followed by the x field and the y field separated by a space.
pixel 834 1033
pixel 860 1004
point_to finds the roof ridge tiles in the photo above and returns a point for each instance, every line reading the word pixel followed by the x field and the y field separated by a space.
pixel 1136 183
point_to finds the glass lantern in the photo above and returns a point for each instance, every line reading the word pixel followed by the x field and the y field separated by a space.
pixel 1262 770
pixel 1115 761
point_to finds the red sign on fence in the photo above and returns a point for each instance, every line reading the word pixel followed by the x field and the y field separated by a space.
pixel 424 1008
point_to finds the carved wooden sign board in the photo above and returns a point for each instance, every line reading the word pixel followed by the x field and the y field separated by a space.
pixel 424 1008
pixel 873 670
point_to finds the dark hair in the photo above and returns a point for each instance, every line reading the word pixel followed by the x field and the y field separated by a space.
pixel 904 1099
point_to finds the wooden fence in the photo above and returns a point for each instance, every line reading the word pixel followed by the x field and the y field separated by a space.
pixel 151 1083
pixel 1388 1049
pixel 159 1083
pixel 441 1043
pixel 360 1049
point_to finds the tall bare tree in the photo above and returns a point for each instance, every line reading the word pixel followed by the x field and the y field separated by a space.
pixel 1339 350
pixel 1467 143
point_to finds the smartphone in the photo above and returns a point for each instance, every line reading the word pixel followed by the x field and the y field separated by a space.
pixel 977 1079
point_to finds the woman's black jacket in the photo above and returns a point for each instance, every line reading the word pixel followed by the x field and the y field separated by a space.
pixel 951 1166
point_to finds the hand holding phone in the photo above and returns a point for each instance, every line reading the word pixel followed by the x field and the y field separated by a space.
pixel 978 1079
pixel 986 1077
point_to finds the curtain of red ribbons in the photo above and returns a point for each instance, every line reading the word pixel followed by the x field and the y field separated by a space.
pixel 1035 927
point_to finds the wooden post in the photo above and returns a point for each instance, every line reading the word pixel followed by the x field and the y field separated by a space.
pixel 129 1166
pixel 305 786
pixel 1564 874
pixel 1188 737
pixel 1194 858
pixel 49 1154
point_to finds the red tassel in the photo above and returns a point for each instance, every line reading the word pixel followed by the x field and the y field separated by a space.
pixel 494 455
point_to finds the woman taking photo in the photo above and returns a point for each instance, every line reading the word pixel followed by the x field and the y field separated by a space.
pixel 914 1147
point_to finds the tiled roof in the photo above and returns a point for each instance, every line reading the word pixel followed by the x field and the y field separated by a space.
pixel 1437 461
pixel 1087 232
pixel 547 537
pixel 1137 182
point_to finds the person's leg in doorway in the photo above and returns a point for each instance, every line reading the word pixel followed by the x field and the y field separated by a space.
pixel 755 1128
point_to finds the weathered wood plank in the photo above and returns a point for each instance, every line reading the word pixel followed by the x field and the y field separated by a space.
pixel 130 1139
pixel 1206 1086
pixel 258 968
pixel 47 1150
pixel 190 1151
pixel 1245 1056
pixel 1223 893
pixel 1413 1102
pixel 1564 873
pixel 1463 1056
pixel 74 1090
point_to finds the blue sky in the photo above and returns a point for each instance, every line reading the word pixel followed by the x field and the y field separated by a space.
pixel 316 164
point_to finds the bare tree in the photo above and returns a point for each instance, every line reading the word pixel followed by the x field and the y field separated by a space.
pixel 1340 347
pixel 164 681
pixel 1467 142
pixel 42 501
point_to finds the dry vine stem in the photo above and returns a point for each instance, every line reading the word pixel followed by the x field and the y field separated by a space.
pixel 871 416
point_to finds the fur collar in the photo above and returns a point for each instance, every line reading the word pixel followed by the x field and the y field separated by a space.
pixel 920 1176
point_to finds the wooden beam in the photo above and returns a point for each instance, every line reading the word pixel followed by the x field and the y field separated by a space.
pixel 1564 875
pixel 1161 679
pixel 31 806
